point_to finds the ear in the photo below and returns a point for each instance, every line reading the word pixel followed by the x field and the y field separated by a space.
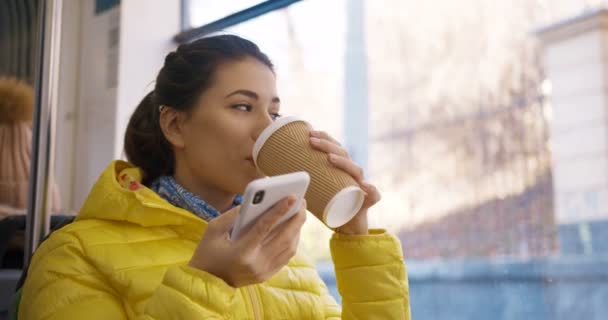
pixel 172 126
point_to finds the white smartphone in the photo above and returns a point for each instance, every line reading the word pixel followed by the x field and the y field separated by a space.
pixel 261 194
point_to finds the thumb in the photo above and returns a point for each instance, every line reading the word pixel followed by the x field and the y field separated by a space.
pixel 225 221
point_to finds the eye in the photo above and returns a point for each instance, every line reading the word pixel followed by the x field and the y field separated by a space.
pixel 243 107
pixel 275 115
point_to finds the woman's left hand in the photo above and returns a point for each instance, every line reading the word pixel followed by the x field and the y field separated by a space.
pixel 339 157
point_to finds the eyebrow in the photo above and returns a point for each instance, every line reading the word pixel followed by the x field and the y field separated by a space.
pixel 251 95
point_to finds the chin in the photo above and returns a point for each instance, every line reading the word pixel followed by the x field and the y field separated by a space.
pixel 255 176
pixel 246 180
pixel 248 174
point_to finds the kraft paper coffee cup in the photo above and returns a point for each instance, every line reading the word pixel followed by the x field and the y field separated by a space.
pixel 333 196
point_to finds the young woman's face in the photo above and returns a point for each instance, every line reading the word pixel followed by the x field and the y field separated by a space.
pixel 218 136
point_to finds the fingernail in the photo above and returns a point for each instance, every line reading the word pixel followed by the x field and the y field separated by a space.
pixel 333 157
pixel 315 140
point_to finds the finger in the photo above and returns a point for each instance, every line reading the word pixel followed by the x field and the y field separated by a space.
pixel 262 227
pixel 288 253
pixel 373 195
pixel 224 221
pixel 272 262
pixel 328 146
pixel 348 166
pixel 287 229
pixel 324 135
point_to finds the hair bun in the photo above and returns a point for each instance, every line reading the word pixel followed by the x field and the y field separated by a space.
pixel 171 57
pixel 16 100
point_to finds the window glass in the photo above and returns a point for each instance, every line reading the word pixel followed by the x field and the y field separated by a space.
pixel 498 203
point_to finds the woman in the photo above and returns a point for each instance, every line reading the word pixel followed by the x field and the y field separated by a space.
pixel 151 240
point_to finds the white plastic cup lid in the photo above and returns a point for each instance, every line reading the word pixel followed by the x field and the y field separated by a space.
pixel 343 206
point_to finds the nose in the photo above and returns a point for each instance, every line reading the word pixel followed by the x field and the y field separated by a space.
pixel 262 122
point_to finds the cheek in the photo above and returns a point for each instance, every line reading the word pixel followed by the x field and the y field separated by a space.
pixel 214 143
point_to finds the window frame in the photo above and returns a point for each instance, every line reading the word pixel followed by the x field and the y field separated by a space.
pixel 192 33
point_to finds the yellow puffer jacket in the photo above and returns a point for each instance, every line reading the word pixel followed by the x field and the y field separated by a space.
pixel 125 257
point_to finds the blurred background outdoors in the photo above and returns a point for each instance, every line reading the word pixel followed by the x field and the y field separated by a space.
pixel 483 123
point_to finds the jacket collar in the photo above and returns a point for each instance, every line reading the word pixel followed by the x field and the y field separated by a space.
pixel 118 195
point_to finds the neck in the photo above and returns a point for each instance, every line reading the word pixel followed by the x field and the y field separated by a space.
pixel 220 200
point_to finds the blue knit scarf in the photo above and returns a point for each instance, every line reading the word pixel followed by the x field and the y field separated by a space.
pixel 174 193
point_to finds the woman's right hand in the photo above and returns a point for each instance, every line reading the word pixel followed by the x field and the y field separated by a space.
pixel 258 253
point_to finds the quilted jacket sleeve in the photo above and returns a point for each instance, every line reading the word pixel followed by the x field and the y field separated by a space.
pixel 332 310
pixel 371 276
pixel 61 284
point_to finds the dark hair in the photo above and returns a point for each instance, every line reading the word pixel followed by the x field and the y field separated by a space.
pixel 187 72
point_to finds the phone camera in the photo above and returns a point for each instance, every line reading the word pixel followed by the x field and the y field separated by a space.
pixel 258 197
